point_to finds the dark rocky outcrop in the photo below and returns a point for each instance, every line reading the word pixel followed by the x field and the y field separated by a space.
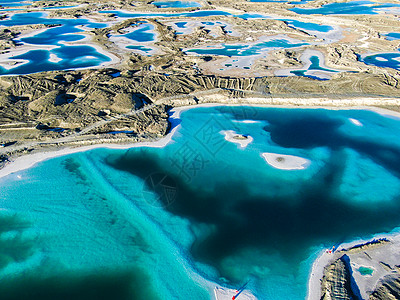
pixel 337 283
pixel 387 289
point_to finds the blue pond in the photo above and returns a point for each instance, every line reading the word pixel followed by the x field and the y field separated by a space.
pixel 282 1
pixel 204 24
pixel 68 31
pixel 386 60
pixel 308 25
pixel 346 8
pixel 55 36
pixel 197 14
pixel 176 4
pixel 144 49
pixel 392 36
pixel 41 18
pixel 70 57
pixel 245 49
pixel 10 3
pixel 142 32
pixel 154 223
pixel 314 66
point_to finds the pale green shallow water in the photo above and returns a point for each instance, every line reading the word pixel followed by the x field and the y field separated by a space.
pixel 155 223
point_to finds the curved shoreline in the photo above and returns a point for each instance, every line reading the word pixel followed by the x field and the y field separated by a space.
pixel 26 161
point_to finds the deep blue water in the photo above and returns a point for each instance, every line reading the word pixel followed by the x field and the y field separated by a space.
pixel 143 32
pixel 392 36
pixel 140 47
pixel 308 25
pixel 282 1
pixel 31 18
pixel 245 49
pixel 386 60
pixel 10 3
pixel 346 8
pixel 158 220
pixel 197 13
pixel 54 36
pixel 68 31
pixel 13 3
pixel 292 23
pixel 181 24
pixel 315 65
pixel 71 57
pixel 176 4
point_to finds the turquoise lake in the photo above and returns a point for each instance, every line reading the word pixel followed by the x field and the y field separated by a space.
pixel 142 32
pixel 10 3
pixel 176 4
pixel 194 14
pixel 385 60
pixel 246 49
pixel 156 223
pixel 68 57
pixel 347 8
pixel 314 66
pixel 392 36
pixel 282 1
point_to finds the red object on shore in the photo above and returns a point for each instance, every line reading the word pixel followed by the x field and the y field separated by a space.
pixel 233 298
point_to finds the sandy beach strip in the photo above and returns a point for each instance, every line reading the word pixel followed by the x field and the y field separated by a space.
pixel 233 137
pixel 286 162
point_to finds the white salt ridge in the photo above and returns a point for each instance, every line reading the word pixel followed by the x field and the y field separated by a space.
pixel 246 121
pixel 286 162
pixel 233 137
pixel 54 58
pixel 355 122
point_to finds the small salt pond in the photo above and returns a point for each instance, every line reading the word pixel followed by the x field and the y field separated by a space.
pixel 12 3
pixel 139 38
pixel 282 1
pixel 32 18
pixel 191 14
pixel 347 8
pixel 326 33
pixel 15 3
pixel 46 50
pixel 214 27
pixel 365 271
pixel 197 13
pixel 385 60
pixel 308 25
pixel 59 58
pixel 176 4
pixel 314 67
pixel 258 48
pixel 143 50
pixel 392 36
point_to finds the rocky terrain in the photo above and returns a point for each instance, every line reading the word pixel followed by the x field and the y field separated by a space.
pixel 343 279
pixel 354 35
pixel 94 106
